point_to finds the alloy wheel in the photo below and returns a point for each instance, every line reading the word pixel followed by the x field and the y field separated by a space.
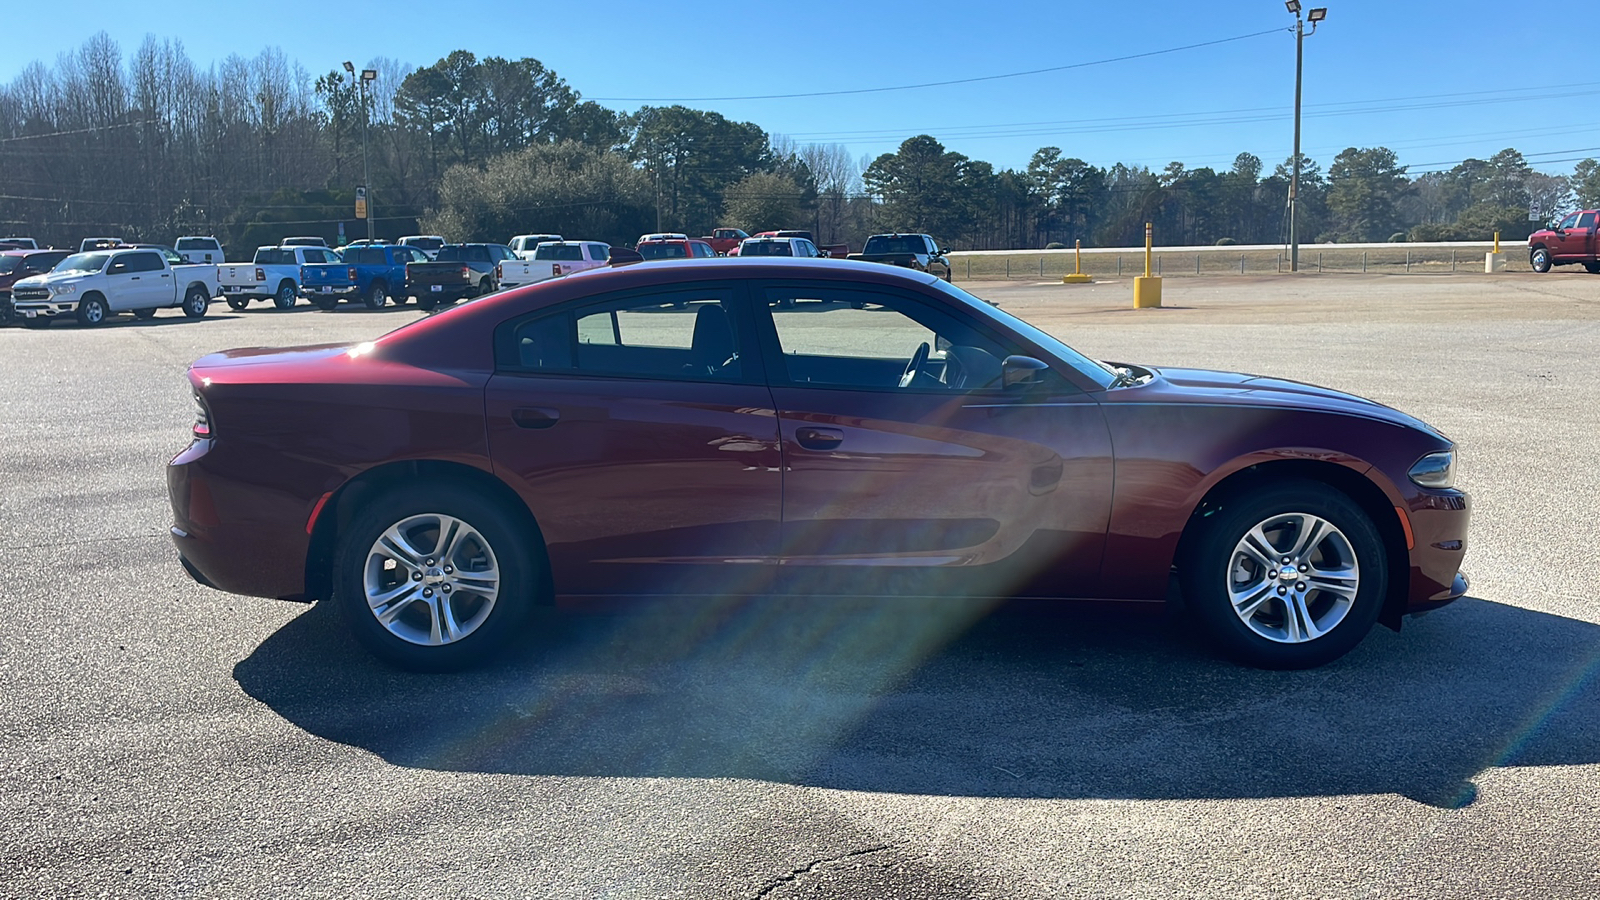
pixel 431 579
pixel 1293 578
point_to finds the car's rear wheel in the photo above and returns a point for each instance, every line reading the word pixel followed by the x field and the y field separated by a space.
pixel 427 302
pixel 195 303
pixel 377 295
pixel 145 313
pixel 326 302
pixel 435 578
pixel 92 311
pixel 1539 259
pixel 1592 268
pixel 284 298
pixel 485 287
pixel 1289 575
pixel 238 303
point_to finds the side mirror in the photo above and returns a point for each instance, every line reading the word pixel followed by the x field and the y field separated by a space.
pixel 1021 371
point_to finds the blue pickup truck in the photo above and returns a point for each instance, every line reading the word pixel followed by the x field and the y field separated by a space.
pixel 375 273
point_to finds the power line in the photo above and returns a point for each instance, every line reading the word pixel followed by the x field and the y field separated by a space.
pixel 929 84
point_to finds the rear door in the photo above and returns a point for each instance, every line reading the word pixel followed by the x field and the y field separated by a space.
pixel 909 469
pixel 639 430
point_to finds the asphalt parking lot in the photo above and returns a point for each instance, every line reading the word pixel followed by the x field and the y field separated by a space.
pixel 158 738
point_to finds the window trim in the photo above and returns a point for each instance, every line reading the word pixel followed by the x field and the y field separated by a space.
pixel 776 368
pixel 507 359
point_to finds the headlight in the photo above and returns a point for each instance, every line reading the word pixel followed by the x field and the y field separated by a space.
pixel 59 289
pixel 1436 470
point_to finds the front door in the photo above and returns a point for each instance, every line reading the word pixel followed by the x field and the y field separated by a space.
pixel 909 469
pixel 639 431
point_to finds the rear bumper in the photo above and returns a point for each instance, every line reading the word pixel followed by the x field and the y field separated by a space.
pixel 329 290
pixel 247 551
pixel 441 291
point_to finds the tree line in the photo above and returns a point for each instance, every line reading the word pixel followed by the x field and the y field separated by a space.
pixel 150 145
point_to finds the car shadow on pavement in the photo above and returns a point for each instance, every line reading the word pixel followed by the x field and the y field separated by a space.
pixel 938 698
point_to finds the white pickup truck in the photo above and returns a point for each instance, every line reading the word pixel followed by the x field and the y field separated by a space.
pixel 552 260
pixel 99 284
pixel 273 275
pixel 523 245
pixel 197 249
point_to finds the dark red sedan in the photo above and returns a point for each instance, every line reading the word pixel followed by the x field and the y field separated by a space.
pixel 732 427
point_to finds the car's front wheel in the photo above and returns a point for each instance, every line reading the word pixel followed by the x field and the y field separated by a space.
pixel 435 578
pixel 1539 259
pixel 1289 575
pixel 92 310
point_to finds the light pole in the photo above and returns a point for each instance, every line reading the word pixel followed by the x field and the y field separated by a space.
pixel 367 76
pixel 1314 16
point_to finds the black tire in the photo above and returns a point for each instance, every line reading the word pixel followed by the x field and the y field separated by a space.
pixel 377 295
pixel 195 303
pixel 238 303
pixel 93 311
pixel 520 569
pixel 285 297
pixel 325 302
pixel 144 314
pixel 426 302
pixel 37 322
pixel 1592 268
pixel 1212 568
pixel 1539 259
pixel 7 313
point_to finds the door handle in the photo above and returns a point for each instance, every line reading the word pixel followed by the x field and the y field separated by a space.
pixel 529 417
pixel 818 438
pixel 134 278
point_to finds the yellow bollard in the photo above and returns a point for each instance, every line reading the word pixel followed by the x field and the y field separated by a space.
pixel 1494 261
pixel 1147 287
pixel 1077 276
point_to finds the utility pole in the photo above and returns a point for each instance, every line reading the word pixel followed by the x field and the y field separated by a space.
pixel 1316 15
pixel 367 76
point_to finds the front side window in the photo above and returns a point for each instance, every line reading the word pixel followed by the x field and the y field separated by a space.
pixel 1569 222
pixel 874 340
pixel 679 334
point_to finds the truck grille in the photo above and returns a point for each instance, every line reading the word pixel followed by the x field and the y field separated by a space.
pixel 30 293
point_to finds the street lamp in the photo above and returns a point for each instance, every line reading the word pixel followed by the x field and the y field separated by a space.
pixel 1316 15
pixel 367 76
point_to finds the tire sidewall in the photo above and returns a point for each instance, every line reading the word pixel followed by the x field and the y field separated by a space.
pixel 93 312
pixel 1205 573
pixel 519 584
pixel 285 297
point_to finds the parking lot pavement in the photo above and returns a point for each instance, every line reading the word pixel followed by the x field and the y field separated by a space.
pixel 159 738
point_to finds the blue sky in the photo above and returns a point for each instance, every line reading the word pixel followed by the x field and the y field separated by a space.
pixel 1436 82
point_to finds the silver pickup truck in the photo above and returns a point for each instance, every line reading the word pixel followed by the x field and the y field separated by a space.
pixel 97 285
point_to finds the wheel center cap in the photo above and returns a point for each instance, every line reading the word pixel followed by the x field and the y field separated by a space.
pixel 1288 573
pixel 432 576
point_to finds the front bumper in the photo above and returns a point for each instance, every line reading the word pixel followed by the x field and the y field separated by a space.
pixel 30 309
pixel 1438 522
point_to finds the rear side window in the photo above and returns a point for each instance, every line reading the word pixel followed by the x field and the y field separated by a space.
pixel 1586 220
pixel 599 252
pixel 365 256
pixel 674 335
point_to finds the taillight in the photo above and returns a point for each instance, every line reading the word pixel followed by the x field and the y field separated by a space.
pixel 352 272
pixel 202 417
pixel 261 274
pixel 499 271
pixel 466 273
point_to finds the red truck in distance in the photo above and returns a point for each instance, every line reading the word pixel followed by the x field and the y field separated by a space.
pixel 1570 241
pixel 723 240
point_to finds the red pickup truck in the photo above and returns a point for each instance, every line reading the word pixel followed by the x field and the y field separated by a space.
pixel 724 239
pixel 1570 241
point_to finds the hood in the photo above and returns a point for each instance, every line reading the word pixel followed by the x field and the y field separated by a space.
pixel 1203 386
pixel 1541 234
pixel 50 278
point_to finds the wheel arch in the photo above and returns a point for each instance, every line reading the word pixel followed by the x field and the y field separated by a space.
pixel 204 289
pixel 343 503
pixel 1353 484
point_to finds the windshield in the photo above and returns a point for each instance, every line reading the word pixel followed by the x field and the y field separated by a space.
pixel 1088 368
pixel 8 264
pixel 83 262
pixel 196 244
pixel 883 244
pixel 766 248
pixel 664 251
pixel 563 252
